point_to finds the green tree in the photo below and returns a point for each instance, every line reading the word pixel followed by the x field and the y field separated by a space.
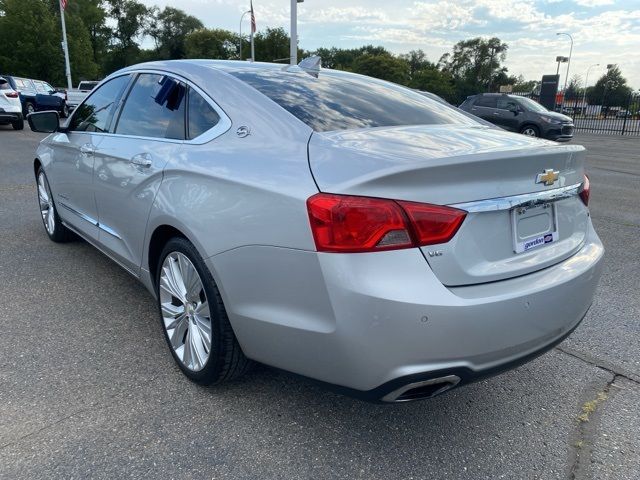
pixel 169 29
pixel 94 17
pixel 611 89
pixel 430 79
pixel 417 61
pixel 270 44
pixel 342 59
pixel 211 43
pixel 385 66
pixel 131 20
pixel 29 40
pixel 574 88
pixel 522 85
pixel 476 65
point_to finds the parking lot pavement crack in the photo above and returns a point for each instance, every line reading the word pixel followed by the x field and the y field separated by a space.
pixel 600 363
pixel 583 441
pixel 52 425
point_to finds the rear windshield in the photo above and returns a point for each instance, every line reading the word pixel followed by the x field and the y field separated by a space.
pixel 339 101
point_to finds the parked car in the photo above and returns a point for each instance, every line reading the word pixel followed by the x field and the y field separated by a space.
pixel 77 95
pixel 441 100
pixel 49 98
pixel 334 225
pixel 520 114
pixel 36 95
pixel 10 107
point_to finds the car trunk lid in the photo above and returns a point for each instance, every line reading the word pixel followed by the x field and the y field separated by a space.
pixel 465 167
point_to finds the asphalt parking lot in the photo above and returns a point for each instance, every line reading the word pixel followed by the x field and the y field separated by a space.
pixel 88 388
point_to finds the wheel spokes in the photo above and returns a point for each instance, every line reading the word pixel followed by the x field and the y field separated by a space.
pixel 185 311
pixel 46 205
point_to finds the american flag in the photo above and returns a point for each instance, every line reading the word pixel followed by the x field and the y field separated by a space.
pixel 64 4
pixel 253 19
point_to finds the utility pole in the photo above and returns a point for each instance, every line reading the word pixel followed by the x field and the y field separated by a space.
pixel 65 47
pixel 586 84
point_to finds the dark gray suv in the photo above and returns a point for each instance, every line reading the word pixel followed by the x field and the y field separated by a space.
pixel 520 114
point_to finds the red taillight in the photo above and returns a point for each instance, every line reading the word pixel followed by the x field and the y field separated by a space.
pixel 343 223
pixel 12 94
pixel 433 223
pixel 586 191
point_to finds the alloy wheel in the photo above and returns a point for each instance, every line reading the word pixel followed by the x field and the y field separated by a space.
pixel 530 132
pixel 30 108
pixel 185 311
pixel 46 204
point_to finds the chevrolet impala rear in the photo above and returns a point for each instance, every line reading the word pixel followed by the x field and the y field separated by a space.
pixel 333 225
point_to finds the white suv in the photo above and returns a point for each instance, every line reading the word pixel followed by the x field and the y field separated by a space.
pixel 10 106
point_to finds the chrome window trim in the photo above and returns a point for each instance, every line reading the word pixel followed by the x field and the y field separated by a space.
pixel 527 199
pixel 219 129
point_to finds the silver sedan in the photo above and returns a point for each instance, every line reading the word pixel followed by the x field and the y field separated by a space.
pixel 330 224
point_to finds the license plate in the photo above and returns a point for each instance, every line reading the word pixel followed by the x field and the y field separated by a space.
pixel 534 227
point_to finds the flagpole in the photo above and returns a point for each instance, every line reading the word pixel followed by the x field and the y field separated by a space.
pixel 253 28
pixel 253 52
pixel 65 48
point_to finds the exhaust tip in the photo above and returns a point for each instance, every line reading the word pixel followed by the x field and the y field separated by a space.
pixel 421 390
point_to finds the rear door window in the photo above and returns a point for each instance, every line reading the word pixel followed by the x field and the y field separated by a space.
pixel 202 116
pixel 155 107
pixel 489 102
pixel 95 114
pixel 507 104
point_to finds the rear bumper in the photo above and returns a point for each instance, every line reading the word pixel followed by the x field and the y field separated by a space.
pixel 9 116
pixel 370 323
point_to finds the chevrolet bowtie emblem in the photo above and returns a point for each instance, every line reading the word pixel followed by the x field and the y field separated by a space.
pixel 548 177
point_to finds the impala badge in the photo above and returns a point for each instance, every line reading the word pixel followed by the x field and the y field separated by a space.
pixel 548 177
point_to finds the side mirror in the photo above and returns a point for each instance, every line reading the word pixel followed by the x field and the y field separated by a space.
pixel 44 122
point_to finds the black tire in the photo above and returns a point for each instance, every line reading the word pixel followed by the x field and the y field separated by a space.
pixel 530 131
pixel 59 233
pixel 226 360
pixel 18 124
pixel 64 111
pixel 29 108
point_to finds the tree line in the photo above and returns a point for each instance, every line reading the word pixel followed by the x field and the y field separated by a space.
pixel 105 35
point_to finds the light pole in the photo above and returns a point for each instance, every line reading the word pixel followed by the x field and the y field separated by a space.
pixel 242 18
pixel 293 47
pixel 586 84
pixel 564 90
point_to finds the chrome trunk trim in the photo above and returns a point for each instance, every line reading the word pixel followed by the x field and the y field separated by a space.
pixel 524 200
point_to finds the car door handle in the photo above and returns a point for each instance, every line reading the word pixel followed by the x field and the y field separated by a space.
pixel 142 160
pixel 87 149
pixel 496 113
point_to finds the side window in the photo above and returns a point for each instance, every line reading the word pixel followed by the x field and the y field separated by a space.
pixel 490 102
pixel 202 116
pixel 155 107
pixel 507 104
pixel 94 115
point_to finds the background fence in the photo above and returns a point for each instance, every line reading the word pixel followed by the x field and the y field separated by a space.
pixel 609 119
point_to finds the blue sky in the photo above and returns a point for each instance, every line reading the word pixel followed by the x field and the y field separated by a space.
pixel 604 31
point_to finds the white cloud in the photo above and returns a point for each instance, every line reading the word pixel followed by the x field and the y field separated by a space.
pixel 594 3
